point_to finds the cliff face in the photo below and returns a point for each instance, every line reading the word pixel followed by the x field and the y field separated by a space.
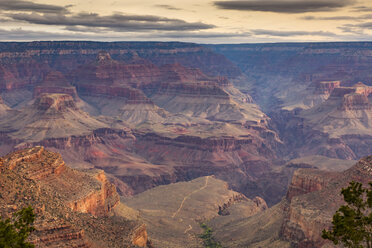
pixel 48 168
pixel 55 82
pixel 100 202
pixel 304 182
pixel 312 199
pixel 65 201
pixel 326 87
pixel 38 58
pixel 3 107
pixel 355 101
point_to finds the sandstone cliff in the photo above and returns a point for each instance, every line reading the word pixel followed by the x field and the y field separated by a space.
pixel 73 208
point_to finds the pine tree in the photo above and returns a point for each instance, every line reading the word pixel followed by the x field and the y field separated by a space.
pixel 352 223
pixel 15 231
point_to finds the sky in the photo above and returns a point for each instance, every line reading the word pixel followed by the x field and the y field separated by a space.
pixel 200 21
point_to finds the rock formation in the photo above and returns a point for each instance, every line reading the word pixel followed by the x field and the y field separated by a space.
pixel 55 83
pixel 311 210
pixel 50 116
pixel 73 208
pixel 3 107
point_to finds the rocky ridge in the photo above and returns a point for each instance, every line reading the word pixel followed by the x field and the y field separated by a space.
pixel 73 208
pixel 174 221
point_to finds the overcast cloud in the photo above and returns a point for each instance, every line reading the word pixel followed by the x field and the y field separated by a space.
pixel 290 33
pixel 338 18
pixel 205 21
pixel 166 6
pixel 20 5
pixel 284 6
pixel 116 22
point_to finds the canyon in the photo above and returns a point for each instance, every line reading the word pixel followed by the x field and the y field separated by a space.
pixel 142 121
pixel 266 128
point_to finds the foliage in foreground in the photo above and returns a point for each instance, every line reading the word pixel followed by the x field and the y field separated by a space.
pixel 208 240
pixel 15 231
pixel 352 223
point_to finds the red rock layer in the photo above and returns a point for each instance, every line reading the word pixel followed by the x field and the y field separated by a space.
pixel 65 201
pixel 98 203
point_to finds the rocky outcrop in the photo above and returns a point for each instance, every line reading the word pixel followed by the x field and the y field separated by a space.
pixel 3 107
pixel 21 73
pixel 199 146
pixel 303 183
pixel 55 103
pixel 38 164
pixel 261 203
pixel 65 202
pixel 361 88
pixel 59 235
pixel 312 199
pixel 55 82
pixel 140 237
pixel 99 202
pixel 326 87
pixel 223 209
pixel 355 101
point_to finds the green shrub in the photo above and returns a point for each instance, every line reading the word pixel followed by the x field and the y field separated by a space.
pixel 15 231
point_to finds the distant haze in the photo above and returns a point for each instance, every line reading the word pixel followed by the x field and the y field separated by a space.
pixel 201 21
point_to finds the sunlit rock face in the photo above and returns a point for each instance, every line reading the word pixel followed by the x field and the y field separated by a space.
pixel 70 205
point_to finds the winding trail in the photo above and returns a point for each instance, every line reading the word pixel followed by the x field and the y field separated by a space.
pixel 186 197
pixel 188 229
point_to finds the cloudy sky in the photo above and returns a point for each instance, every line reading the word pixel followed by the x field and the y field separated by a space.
pixel 202 21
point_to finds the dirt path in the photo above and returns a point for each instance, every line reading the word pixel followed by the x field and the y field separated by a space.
pixel 186 197
pixel 188 229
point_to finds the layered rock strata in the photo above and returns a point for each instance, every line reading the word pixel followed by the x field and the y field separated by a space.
pixel 73 208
